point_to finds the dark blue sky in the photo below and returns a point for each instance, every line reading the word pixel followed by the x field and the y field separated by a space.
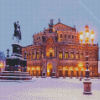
pixel 34 15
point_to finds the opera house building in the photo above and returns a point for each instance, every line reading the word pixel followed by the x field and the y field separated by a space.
pixel 58 50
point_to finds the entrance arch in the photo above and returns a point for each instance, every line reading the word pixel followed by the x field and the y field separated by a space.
pixel 49 69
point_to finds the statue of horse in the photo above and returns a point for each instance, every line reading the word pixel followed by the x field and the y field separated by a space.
pixel 17 32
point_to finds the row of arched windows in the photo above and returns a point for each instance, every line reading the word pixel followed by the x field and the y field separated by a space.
pixel 71 55
pixel 37 56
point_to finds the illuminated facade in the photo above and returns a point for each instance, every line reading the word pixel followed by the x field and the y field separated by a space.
pixel 58 48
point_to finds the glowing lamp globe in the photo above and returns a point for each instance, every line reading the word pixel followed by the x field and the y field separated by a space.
pixel 81 36
pixel 92 35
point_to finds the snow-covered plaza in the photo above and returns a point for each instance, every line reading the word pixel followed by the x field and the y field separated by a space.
pixel 48 89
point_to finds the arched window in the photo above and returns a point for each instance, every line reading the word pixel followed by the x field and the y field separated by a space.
pixel 37 55
pixel 60 54
pixel 77 55
pixel 33 55
pixel 66 55
pixel 68 36
pixel 72 55
pixel 29 56
pixel 60 35
pixel 81 55
pixel 41 54
pixel 72 36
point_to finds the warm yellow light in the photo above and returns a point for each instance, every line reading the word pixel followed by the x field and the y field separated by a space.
pixel 1 65
pixel 82 69
pixel 28 68
pixel 37 68
pixel 80 64
pixel 92 35
pixel 48 71
pixel 70 69
pixel 76 69
pixel 87 34
pixel 81 36
pixel 63 68
pixel 32 68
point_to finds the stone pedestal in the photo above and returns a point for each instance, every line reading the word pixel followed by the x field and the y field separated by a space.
pixel 87 86
pixel 57 76
pixel 53 74
pixel 44 74
pixel 80 78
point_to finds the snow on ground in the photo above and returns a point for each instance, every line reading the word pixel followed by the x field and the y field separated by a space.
pixel 48 89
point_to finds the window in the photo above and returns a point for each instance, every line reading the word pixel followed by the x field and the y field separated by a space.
pixel 72 55
pixel 29 56
pixel 37 55
pixel 72 36
pixel 60 35
pixel 60 55
pixel 77 55
pixel 65 36
pixel 51 54
pixel 81 56
pixel 68 36
pixel 33 55
pixel 41 54
pixel 66 55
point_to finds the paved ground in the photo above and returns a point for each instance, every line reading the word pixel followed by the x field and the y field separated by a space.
pixel 48 89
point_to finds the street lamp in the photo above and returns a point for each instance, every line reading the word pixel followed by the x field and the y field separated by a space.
pixel 87 82
pixel 32 72
pixel 1 65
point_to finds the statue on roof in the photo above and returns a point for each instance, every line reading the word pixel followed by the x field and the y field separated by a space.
pixel 51 26
pixel 17 32
pixel 59 20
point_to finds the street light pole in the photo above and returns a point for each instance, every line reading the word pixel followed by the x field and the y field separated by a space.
pixel 87 82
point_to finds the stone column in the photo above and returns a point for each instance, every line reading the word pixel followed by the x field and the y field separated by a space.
pixel 35 53
pixel 55 52
pixel 63 53
pixel 44 51
pixel 31 54
pixel 74 54
pixel 69 51
pixel 39 53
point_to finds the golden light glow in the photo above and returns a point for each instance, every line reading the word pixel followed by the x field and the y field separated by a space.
pixel 1 65
pixel 80 65
pixel 87 34
pixel 28 68
pixel 70 68
pixel 81 36
pixel 64 68
pixel 50 52
pixel 76 69
pixel 60 55
pixel 92 35
pixel 48 71
pixel 49 67
pixel 37 68
pixel 82 69
pixel 32 68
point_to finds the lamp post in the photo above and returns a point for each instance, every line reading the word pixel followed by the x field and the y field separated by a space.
pixel 32 72
pixel 87 82
pixel 1 65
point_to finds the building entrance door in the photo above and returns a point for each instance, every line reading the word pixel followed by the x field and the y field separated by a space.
pixel 49 69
